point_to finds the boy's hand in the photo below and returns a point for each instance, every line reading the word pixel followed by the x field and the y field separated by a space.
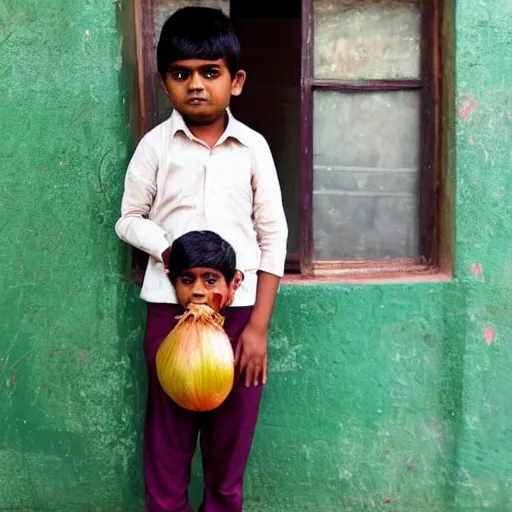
pixel 165 258
pixel 251 351
pixel 251 354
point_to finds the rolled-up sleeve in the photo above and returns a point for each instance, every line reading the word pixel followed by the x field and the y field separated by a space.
pixel 139 191
pixel 269 217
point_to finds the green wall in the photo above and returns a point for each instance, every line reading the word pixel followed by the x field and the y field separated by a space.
pixel 389 397
pixel 70 385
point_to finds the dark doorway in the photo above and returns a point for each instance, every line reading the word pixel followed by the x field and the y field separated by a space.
pixel 270 35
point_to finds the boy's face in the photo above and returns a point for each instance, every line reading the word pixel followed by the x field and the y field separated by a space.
pixel 200 285
pixel 200 90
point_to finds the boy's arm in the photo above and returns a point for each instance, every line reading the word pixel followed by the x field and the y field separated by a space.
pixel 139 191
pixel 269 217
pixel 272 231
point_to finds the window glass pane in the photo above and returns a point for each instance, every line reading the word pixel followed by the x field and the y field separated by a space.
pixel 366 160
pixel 367 39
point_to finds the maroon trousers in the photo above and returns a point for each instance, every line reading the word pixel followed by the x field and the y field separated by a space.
pixel 171 433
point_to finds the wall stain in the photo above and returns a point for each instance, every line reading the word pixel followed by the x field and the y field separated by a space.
pixel 489 335
pixel 466 106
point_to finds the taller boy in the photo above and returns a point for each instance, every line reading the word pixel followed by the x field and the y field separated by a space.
pixel 204 170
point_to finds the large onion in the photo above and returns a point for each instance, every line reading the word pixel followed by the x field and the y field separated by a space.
pixel 195 363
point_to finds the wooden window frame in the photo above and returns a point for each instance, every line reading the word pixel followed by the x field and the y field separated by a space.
pixel 145 98
pixel 146 64
pixel 430 158
pixel 436 258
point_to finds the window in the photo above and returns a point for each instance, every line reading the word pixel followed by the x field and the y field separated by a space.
pixel 368 135
pixel 347 94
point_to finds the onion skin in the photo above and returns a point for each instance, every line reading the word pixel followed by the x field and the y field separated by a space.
pixel 195 363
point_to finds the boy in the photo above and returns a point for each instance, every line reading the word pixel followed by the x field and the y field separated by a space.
pixel 204 170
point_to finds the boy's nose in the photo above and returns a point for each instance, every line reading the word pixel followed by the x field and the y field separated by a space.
pixel 199 290
pixel 196 82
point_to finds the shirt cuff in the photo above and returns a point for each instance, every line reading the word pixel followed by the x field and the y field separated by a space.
pixel 272 263
pixel 159 249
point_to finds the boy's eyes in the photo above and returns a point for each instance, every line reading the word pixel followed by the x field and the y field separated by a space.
pixel 189 281
pixel 181 76
pixel 211 73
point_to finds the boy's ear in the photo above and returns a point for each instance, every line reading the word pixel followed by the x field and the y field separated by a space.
pixel 233 287
pixel 237 280
pixel 237 84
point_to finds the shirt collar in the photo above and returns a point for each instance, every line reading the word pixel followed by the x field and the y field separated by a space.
pixel 235 129
pixel 178 125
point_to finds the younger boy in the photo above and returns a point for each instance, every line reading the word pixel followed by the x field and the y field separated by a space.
pixel 204 170
pixel 203 265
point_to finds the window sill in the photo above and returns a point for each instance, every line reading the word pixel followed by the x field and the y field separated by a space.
pixel 360 273
pixel 438 277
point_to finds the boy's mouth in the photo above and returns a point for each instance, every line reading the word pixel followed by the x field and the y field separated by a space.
pixel 198 301
pixel 196 101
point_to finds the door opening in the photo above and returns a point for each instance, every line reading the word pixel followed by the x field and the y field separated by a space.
pixel 270 36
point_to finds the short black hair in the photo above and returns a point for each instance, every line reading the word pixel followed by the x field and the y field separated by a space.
pixel 197 33
pixel 202 249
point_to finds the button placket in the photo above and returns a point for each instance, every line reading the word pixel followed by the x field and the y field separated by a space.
pixel 205 189
pixel 210 175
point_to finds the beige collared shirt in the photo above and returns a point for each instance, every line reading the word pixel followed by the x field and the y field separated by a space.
pixel 175 183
